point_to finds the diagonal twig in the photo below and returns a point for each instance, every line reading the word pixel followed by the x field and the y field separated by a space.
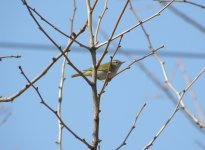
pixel 11 56
pixel 138 24
pixel 132 128
pixel 175 109
pixel 99 22
pixel 54 27
pixel 52 110
pixel 186 2
pixel 112 34
pixel 137 60
pixel 47 68
pixel 107 80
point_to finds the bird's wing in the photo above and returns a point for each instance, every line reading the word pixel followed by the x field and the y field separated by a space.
pixel 89 69
pixel 100 68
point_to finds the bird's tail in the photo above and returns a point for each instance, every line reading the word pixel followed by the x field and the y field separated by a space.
pixel 75 75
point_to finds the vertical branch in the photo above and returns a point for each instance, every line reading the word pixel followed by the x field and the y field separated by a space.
pixel 89 25
pixel 73 16
pixel 60 95
pixel 60 92
pixel 99 21
pixel 96 101
pixel 96 111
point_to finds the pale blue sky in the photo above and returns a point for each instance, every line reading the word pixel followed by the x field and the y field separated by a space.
pixel 32 126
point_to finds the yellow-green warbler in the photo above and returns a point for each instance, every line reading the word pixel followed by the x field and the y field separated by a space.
pixel 102 70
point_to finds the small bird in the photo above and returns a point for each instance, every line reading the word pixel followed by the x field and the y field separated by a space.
pixel 102 70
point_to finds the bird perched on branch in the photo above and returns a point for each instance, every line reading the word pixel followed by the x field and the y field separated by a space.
pixel 103 69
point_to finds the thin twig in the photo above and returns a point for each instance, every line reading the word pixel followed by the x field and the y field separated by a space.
pixel 107 80
pixel 112 34
pixel 173 89
pixel 163 127
pixel 55 28
pixel 47 68
pixel 11 56
pixel 185 1
pixel 52 110
pixel 170 95
pixel 137 60
pixel 60 94
pixel 132 128
pixel 164 72
pixel 73 16
pixel 138 24
pixel 175 109
pixel 99 22
pixel 192 94
pixel 57 46
pixel 188 19
pixel 179 96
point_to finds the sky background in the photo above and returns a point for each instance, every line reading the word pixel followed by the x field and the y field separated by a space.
pixel 32 126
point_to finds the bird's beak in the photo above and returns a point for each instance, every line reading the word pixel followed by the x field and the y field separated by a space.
pixel 122 62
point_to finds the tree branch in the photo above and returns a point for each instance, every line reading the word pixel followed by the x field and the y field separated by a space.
pixel 132 128
pixel 52 110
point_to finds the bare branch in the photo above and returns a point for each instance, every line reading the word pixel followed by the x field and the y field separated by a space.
pixel 172 88
pixel 60 92
pixel 99 22
pixel 163 127
pixel 107 80
pixel 112 34
pixel 58 47
pixel 96 101
pixel 132 128
pixel 137 60
pixel 179 96
pixel 90 30
pixel 54 27
pixel 138 24
pixel 170 95
pixel 53 111
pixel 185 1
pixel 73 16
pixel 192 94
pixel 188 19
pixel 42 73
pixel 190 115
pixel 175 109
pixel 11 56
